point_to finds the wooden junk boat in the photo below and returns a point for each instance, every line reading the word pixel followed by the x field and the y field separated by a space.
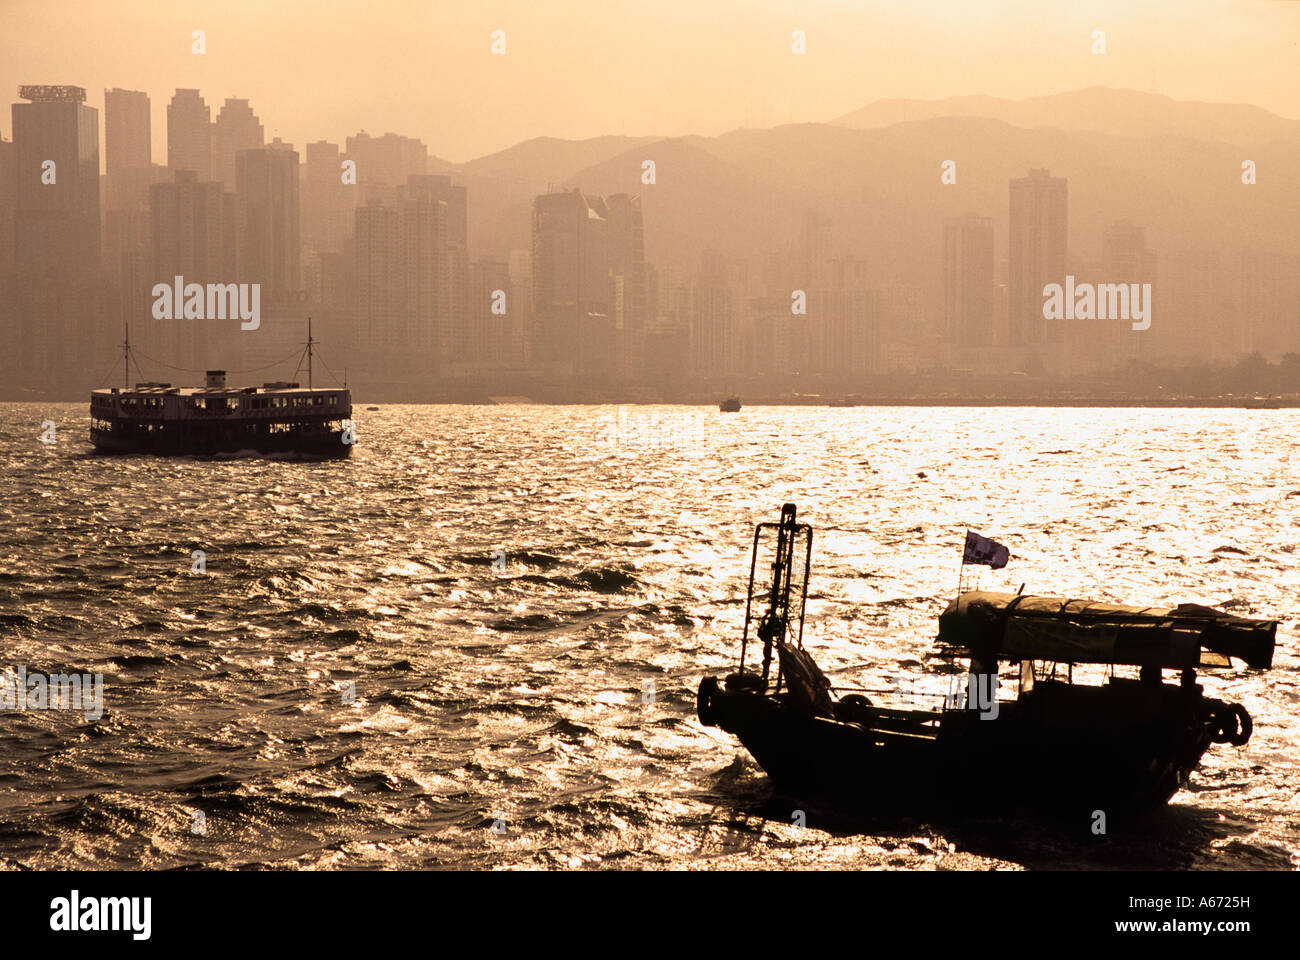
pixel 1124 746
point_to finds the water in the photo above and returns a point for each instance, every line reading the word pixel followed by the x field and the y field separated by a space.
pixel 498 586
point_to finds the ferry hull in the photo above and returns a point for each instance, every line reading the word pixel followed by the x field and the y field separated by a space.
pixel 213 439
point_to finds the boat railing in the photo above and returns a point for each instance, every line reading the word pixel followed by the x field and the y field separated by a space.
pixel 780 586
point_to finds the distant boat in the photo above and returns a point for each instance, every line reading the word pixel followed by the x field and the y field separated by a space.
pixel 372 408
pixel 730 405
pixel 277 417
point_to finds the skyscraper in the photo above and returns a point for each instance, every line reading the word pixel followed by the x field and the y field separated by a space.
pixel 236 128
pixel 1266 299
pixel 327 202
pixel 384 163
pixel 436 197
pixel 1124 259
pixel 520 306
pixel 627 278
pixel 57 305
pixel 1037 237
pixel 489 337
pixel 968 281
pixel 422 322
pixel 377 273
pixel 192 228
pixel 571 280
pixel 127 125
pixel 266 199
pixel 713 319
pixel 129 152
pixel 56 182
pixel 6 207
pixel 189 134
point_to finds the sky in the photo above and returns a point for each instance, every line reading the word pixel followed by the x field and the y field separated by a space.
pixel 324 69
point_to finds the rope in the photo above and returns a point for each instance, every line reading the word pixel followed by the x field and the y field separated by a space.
pixel 327 368
pixel 104 377
pixel 170 366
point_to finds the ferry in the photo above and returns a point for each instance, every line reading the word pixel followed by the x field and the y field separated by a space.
pixel 279 417
pixel 1060 746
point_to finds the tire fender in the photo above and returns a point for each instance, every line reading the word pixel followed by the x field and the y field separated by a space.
pixel 704 701
pixel 1244 726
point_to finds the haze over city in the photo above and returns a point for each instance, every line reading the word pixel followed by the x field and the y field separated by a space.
pixel 581 68
pixel 667 203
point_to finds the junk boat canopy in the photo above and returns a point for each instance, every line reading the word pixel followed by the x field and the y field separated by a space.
pixel 1006 626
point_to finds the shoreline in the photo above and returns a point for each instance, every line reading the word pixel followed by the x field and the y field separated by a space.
pixel 1190 403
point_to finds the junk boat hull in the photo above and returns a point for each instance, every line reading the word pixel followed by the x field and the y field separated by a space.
pixel 1133 752
pixel 1122 747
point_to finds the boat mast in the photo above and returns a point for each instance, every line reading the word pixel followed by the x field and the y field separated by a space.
pixel 126 355
pixel 309 343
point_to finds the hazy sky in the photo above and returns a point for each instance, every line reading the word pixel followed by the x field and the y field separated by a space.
pixel 323 69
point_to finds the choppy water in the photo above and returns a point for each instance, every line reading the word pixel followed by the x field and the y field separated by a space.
pixel 513 698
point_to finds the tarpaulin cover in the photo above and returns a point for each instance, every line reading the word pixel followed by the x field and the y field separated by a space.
pixel 1014 626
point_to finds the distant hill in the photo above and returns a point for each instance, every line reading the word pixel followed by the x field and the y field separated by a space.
pixel 546 159
pixel 1125 113
pixel 1127 155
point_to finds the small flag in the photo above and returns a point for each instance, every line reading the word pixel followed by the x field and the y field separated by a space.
pixel 983 550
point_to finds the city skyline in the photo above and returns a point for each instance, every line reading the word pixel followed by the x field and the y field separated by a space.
pixel 904 239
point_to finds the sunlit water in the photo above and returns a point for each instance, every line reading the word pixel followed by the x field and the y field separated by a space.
pixel 524 600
